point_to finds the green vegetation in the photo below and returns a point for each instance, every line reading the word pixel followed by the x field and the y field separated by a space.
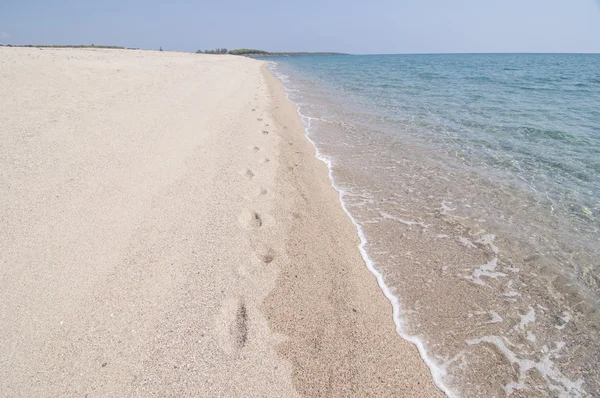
pixel 215 51
pixel 248 51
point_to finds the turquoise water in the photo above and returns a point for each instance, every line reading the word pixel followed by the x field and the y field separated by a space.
pixel 474 182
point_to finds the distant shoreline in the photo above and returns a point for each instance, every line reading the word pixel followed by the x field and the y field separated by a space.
pixel 293 54
pixel 282 54
pixel 260 54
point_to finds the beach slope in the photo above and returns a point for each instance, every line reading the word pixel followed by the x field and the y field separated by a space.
pixel 167 231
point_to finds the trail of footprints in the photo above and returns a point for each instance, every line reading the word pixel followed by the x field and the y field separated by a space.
pixel 249 218
pixel 236 312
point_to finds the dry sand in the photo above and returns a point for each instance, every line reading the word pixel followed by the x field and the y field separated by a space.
pixel 165 230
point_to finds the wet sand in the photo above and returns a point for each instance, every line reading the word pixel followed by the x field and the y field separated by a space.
pixel 167 231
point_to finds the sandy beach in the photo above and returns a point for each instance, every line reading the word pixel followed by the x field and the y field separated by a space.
pixel 166 230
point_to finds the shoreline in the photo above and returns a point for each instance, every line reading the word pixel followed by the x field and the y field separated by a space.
pixel 380 362
pixel 436 372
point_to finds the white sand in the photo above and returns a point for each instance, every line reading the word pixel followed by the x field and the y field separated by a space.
pixel 146 236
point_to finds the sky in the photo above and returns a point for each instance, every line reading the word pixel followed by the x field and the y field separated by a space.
pixel 358 27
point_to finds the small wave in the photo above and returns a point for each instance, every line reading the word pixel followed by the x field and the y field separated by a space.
pixel 558 382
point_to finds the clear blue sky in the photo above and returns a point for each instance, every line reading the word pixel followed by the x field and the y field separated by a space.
pixel 376 26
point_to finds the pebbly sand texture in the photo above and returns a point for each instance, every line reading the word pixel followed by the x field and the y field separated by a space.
pixel 165 230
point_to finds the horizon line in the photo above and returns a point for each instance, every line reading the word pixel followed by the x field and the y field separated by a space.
pixel 317 52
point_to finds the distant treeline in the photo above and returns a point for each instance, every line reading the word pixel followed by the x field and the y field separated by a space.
pixel 215 51
pixel 250 52
pixel 247 51
pixel 240 51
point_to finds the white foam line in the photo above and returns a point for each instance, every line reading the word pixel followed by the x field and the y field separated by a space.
pixel 437 372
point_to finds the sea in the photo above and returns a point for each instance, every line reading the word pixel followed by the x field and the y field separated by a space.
pixel 473 181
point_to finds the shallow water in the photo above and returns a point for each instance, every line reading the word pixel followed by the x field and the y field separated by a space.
pixel 474 181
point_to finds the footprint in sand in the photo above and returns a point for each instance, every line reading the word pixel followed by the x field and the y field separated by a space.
pixel 264 160
pixel 250 219
pixel 265 132
pixel 265 254
pixel 232 325
pixel 259 119
pixel 247 173
pixel 239 329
